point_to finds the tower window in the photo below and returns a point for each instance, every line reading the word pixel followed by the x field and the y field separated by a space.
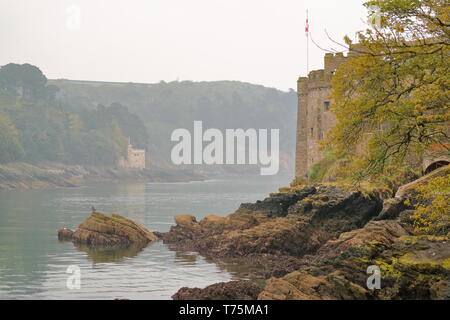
pixel 326 105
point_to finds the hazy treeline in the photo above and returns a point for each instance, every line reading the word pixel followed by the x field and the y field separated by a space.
pixel 36 126
pixel 89 122
pixel 166 106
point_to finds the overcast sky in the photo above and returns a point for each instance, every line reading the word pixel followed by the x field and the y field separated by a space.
pixel 257 41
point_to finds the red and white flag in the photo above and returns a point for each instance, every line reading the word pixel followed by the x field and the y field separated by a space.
pixel 307 26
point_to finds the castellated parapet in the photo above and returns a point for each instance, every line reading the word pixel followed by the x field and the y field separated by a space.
pixel 314 117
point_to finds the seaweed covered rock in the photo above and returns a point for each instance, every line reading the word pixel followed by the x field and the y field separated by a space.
pixel 304 286
pixel 103 230
pixel 383 232
pixel 392 208
pixel 277 204
pixel 291 223
pixel 412 267
pixel 187 232
pixel 319 243
pixel 186 227
pixel 65 234
pixel 233 290
pixel 186 220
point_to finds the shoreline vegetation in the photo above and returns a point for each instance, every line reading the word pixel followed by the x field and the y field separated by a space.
pixel 21 175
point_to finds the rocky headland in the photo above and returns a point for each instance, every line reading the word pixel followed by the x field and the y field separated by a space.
pixel 317 242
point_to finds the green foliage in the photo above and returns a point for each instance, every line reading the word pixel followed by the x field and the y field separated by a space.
pixel 24 80
pixel 320 170
pixel 164 107
pixel 432 202
pixel 391 98
pixel 10 143
pixel 35 126
pixel 90 122
pixel 298 182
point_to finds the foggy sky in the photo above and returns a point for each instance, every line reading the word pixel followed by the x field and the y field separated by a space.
pixel 257 41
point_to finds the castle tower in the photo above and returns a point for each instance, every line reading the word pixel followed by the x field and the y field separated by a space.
pixel 301 154
pixel 135 158
pixel 314 118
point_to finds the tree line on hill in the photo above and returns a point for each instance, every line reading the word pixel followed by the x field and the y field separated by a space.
pixel 35 126
pixel 83 122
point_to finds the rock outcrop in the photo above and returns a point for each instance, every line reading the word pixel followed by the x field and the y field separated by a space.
pixel 234 290
pixel 65 234
pixel 318 243
pixel 102 230
pixel 304 286
pixel 294 224
pixel 406 190
pixel 381 232
pixel 411 268
pixel 392 208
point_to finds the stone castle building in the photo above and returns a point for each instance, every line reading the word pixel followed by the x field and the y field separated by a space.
pixel 135 158
pixel 314 118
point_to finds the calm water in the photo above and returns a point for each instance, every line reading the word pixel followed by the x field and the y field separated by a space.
pixel 33 263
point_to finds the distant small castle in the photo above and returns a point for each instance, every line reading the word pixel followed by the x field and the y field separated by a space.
pixel 314 118
pixel 135 158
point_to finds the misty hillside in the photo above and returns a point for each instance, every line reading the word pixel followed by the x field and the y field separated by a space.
pixel 166 106
pixel 36 126
pixel 89 122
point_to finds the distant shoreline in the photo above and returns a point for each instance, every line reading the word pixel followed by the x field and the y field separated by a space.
pixel 22 175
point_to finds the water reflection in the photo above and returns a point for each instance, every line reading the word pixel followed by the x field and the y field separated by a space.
pixel 183 257
pixel 238 269
pixel 33 263
pixel 109 254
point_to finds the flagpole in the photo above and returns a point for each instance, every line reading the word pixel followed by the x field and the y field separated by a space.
pixel 307 43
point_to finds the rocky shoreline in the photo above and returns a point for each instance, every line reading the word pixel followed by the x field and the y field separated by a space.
pixel 317 242
pixel 30 176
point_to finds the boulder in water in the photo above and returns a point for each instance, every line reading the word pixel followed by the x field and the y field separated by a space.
pixel 65 234
pixel 100 229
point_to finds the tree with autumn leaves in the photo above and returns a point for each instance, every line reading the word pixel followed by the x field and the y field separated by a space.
pixel 391 98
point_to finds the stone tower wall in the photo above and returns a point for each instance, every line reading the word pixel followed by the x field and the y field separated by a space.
pixel 314 118
pixel 135 158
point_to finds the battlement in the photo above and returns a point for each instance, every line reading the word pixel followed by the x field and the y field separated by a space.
pixel 321 78
pixel 332 61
